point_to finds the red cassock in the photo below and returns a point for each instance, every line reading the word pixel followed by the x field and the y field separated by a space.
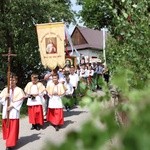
pixel 55 116
pixel 55 106
pixel 36 114
pixel 35 106
pixel 10 131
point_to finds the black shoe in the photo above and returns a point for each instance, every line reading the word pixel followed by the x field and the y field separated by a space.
pixel 8 148
pixel 67 108
pixel 38 127
pixel 57 128
pixel 33 127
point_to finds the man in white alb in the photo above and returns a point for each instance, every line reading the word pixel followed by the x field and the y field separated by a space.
pixel 74 79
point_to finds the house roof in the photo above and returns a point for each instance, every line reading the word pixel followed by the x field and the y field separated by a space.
pixel 93 37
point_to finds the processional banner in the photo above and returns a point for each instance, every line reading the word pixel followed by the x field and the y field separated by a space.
pixel 51 39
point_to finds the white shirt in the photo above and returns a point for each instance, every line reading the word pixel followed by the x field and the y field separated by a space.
pixel 90 72
pixel 74 80
pixel 69 88
pixel 14 113
pixel 38 99
pixel 83 73
pixel 55 100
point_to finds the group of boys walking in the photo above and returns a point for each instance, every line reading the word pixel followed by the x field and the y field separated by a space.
pixel 59 84
pixel 34 92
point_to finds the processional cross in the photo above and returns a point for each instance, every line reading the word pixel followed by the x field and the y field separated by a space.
pixel 8 55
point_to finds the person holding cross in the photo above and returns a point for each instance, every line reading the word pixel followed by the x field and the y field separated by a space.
pixel 11 112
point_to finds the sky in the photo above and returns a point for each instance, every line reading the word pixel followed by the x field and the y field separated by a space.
pixel 76 8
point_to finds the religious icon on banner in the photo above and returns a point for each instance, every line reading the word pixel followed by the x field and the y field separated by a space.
pixel 51 39
pixel 70 61
pixel 51 45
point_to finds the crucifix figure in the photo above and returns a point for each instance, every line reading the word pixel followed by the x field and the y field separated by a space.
pixel 9 55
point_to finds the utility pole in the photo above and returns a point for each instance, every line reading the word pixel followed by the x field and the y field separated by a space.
pixel 104 30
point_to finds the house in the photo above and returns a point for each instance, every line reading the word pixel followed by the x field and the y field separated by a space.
pixel 88 42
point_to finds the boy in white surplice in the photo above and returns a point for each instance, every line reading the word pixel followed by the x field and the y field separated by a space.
pixel 10 126
pixel 55 107
pixel 35 91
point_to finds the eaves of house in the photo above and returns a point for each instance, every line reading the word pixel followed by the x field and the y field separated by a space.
pixel 85 38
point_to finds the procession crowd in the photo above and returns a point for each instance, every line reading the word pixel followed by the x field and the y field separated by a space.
pixel 47 98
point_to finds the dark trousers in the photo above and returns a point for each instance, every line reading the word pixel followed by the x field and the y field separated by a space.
pixel 99 81
pixel 106 78
pixel 75 95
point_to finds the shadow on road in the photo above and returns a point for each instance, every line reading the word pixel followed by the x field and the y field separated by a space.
pixel 26 139
pixel 71 113
pixel 46 124
pixel 66 123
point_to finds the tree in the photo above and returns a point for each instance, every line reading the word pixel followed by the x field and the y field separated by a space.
pixel 17 30
pixel 132 40
pixel 129 25
pixel 98 13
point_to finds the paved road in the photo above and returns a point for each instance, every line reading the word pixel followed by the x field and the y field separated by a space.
pixel 34 140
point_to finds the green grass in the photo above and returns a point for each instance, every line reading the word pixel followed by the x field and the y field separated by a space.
pixel 24 110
